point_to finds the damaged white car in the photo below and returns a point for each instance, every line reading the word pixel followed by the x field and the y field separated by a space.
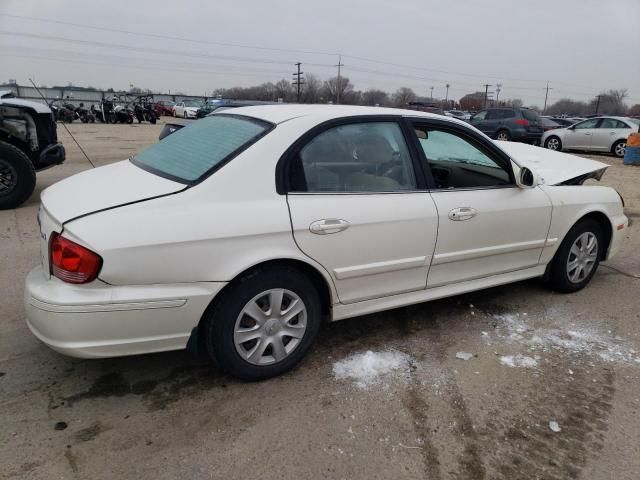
pixel 241 233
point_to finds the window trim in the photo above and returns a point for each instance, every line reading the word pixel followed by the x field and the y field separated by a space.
pixel 283 167
pixel 269 126
pixel 474 138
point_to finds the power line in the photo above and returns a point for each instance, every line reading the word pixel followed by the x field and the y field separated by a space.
pixel 151 50
pixel 167 37
pixel 287 50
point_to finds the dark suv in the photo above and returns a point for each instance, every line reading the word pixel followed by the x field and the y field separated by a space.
pixel 517 124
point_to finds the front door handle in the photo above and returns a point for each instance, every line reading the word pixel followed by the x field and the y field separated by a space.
pixel 462 213
pixel 329 225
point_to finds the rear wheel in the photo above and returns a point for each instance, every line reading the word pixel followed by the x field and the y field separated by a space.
pixel 618 148
pixel 264 324
pixel 553 143
pixel 578 257
pixel 17 176
pixel 503 135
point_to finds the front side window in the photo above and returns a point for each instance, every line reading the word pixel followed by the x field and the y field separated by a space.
pixel 457 163
pixel 591 123
pixel 357 157
pixel 191 152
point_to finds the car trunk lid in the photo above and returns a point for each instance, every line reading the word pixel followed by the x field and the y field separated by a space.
pixel 103 188
pixel 553 167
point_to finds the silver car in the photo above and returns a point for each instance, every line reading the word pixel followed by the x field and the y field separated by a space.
pixel 598 134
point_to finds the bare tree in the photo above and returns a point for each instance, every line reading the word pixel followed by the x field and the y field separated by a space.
pixel 610 103
pixel 403 96
pixel 345 87
pixel 311 89
pixel 566 106
pixel 374 97
pixel 634 111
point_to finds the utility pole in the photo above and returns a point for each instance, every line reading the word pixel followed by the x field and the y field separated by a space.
pixel 598 103
pixel 298 80
pixel 546 96
pixel 340 64
pixel 431 92
pixel 486 93
pixel 498 89
pixel 446 97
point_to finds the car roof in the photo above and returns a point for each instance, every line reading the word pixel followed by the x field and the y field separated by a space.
pixel 282 113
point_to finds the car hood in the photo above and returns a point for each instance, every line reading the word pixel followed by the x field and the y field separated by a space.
pixel 553 167
pixel 104 188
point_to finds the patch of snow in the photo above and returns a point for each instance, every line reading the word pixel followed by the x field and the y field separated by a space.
pixel 519 360
pixel 464 355
pixel 368 368
pixel 553 425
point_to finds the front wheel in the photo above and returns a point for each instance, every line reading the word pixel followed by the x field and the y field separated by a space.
pixel 264 324
pixel 553 143
pixel 618 148
pixel 503 136
pixel 578 257
pixel 17 176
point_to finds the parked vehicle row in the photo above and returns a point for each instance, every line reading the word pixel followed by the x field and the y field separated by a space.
pixel 295 193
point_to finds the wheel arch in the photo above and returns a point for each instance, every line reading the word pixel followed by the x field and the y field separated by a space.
pixel 196 343
pixel 605 224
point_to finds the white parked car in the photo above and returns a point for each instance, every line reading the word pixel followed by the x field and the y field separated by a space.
pixel 186 109
pixel 242 232
pixel 598 134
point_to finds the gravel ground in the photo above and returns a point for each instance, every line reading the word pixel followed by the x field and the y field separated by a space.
pixel 507 383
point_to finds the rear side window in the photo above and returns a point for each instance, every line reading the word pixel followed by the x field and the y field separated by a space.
pixel 530 115
pixel 612 123
pixel 193 151
pixel 507 113
pixel 494 115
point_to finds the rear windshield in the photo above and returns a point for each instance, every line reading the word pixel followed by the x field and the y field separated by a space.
pixel 529 114
pixel 193 151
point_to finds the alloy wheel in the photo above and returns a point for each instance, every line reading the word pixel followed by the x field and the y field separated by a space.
pixel 553 144
pixel 582 257
pixel 620 149
pixel 502 136
pixel 270 327
pixel 8 177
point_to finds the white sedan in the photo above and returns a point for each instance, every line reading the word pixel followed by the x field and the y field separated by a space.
pixel 598 134
pixel 186 109
pixel 241 233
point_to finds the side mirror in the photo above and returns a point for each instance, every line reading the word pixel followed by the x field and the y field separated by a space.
pixel 527 178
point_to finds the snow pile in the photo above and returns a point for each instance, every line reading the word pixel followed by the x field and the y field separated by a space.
pixel 519 360
pixel 368 368
pixel 464 356
pixel 571 339
pixel 554 427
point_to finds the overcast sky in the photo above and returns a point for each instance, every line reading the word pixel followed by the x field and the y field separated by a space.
pixel 580 46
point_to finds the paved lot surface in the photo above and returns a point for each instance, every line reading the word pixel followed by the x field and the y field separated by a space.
pixel 538 357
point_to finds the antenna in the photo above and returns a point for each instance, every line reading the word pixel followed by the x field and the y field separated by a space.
pixel 65 127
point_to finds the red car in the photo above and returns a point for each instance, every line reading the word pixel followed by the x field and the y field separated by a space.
pixel 164 107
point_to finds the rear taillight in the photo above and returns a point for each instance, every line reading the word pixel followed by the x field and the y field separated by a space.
pixel 522 122
pixel 71 262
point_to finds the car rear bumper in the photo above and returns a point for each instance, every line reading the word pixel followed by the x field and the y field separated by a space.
pixel 522 135
pixel 99 320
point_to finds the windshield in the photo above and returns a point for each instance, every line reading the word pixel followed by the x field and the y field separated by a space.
pixel 191 152
pixel 191 103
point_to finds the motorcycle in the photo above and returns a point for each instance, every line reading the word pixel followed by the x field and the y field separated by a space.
pixel 144 110
pixel 104 113
pixel 123 114
pixel 85 115
pixel 62 112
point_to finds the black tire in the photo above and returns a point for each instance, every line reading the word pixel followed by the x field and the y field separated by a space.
pixel 220 321
pixel 559 277
pixel 616 150
pixel 153 120
pixel 19 179
pixel 129 120
pixel 555 138
pixel 504 134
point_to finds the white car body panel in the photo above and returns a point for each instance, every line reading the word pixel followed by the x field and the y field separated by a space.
pixel 507 233
pixel 168 250
pixel 362 267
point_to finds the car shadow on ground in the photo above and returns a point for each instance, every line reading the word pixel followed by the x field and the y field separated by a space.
pixel 164 378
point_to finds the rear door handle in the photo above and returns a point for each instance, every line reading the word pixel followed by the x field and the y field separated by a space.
pixel 329 225
pixel 462 213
